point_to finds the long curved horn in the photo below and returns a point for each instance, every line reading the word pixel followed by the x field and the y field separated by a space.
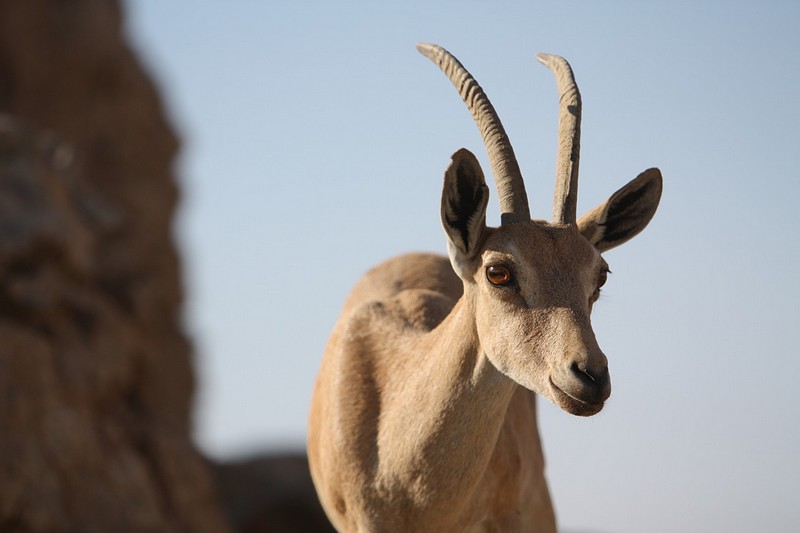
pixel 565 202
pixel 507 175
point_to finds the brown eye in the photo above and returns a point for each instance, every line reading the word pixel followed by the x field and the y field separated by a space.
pixel 602 279
pixel 498 274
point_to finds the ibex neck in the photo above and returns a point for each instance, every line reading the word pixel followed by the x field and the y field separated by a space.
pixel 438 450
pixel 455 348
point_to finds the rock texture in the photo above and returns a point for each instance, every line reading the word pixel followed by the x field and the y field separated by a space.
pixel 271 492
pixel 95 376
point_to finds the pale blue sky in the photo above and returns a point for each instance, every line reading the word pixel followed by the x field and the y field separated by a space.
pixel 315 138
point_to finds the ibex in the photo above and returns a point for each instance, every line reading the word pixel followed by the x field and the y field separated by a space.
pixel 423 416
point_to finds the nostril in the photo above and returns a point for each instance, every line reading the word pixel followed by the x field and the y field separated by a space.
pixel 588 377
pixel 582 375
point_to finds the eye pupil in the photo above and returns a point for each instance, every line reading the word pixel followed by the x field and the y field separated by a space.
pixel 498 274
pixel 601 280
pixel 603 277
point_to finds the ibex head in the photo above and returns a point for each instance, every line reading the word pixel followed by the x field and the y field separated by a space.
pixel 531 283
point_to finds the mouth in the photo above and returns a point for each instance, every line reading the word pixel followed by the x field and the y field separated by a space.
pixel 572 404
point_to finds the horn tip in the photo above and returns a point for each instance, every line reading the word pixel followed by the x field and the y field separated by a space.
pixel 427 49
pixel 547 59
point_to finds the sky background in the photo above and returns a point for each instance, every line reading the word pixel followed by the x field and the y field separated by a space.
pixel 315 140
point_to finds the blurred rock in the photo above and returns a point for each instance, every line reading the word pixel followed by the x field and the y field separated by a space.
pixel 271 493
pixel 96 382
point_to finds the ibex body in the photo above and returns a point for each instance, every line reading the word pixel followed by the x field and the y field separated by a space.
pixel 423 416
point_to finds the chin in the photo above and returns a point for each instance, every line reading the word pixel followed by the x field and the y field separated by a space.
pixel 573 405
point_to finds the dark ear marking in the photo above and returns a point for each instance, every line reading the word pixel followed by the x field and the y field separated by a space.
pixel 465 195
pixel 464 199
pixel 625 214
pixel 629 211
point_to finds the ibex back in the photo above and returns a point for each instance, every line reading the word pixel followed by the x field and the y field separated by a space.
pixel 423 416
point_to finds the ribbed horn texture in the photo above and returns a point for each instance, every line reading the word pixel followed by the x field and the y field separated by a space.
pixel 507 175
pixel 565 202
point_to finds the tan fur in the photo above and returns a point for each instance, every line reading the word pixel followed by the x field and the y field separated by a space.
pixel 423 416
pixel 390 460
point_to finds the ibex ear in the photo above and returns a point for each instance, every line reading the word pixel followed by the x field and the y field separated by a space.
pixel 625 214
pixel 464 200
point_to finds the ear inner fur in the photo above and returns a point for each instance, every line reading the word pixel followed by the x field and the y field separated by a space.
pixel 464 200
pixel 625 214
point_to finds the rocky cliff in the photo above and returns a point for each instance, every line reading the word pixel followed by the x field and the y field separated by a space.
pixel 95 373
